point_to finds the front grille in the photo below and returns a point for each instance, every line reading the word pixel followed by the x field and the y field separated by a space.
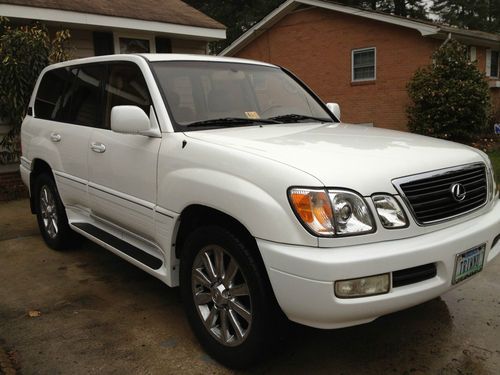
pixel 413 275
pixel 436 196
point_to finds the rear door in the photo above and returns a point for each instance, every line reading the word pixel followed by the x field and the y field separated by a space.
pixel 123 167
pixel 66 108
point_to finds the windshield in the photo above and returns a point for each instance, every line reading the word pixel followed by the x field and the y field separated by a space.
pixel 216 94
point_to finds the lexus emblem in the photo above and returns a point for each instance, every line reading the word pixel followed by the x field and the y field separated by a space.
pixel 458 192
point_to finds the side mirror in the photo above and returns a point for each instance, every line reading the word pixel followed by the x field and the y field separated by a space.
pixel 335 109
pixel 130 119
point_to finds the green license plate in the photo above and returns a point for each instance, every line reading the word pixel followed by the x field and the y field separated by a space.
pixel 469 263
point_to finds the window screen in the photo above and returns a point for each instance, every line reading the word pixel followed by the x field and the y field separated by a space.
pixel 363 64
pixel 49 100
pixel 125 86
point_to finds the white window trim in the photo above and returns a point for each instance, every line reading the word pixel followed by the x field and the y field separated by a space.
pixel 472 53
pixel 148 37
pixel 375 64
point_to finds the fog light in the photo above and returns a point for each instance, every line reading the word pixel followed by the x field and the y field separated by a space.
pixel 362 287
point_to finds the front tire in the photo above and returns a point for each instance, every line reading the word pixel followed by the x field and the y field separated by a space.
pixel 51 215
pixel 226 297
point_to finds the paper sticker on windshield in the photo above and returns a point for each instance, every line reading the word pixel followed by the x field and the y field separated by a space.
pixel 252 115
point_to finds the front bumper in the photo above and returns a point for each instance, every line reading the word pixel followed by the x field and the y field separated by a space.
pixel 303 277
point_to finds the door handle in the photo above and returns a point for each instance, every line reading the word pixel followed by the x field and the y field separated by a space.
pixel 55 137
pixel 98 147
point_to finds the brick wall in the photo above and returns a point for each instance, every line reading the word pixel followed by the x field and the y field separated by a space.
pixel 316 45
pixel 11 186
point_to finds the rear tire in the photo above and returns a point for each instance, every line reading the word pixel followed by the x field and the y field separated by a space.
pixel 226 297
pixel 51 215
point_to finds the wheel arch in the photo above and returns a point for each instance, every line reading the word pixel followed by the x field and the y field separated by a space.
pixel 38 167
pixel 197 215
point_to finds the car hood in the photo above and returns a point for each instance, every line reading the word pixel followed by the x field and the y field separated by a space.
pixel 357 157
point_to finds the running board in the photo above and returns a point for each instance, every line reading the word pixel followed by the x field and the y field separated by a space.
pixel 120 245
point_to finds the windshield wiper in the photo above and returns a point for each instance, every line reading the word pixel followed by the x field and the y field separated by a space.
pixel 232 121
pixel 292 117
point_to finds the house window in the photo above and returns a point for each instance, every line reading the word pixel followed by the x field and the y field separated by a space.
pixel 494 64
pixel 364 64
pixel 471 54
pixel 134 44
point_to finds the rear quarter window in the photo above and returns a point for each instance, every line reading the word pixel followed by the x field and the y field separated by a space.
pixel 49 100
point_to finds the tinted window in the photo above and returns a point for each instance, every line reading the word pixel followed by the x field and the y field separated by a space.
pixel 125 86
pixel 82 99
pixel 48 102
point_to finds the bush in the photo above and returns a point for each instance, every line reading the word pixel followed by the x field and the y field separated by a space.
pixel 450 97
pixel 24 52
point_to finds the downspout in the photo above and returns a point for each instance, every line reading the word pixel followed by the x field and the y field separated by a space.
pixel 447 40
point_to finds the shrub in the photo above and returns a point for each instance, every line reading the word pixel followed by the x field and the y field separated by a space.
pixel 450 97
pixel 24 52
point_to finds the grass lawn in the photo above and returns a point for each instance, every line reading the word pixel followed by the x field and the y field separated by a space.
pixel 495 159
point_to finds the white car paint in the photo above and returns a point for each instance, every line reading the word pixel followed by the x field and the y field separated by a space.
pixel 138 188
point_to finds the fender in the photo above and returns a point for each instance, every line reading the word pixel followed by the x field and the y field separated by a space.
pixel 249 188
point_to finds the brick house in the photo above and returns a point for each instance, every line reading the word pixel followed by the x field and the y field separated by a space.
pixel 100 27
pixel 359 58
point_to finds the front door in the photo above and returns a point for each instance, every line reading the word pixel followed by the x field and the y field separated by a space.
pixel 122 167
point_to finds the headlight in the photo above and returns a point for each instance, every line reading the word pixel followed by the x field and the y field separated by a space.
pixel 350 212
pixel 389 211
pixel 331 213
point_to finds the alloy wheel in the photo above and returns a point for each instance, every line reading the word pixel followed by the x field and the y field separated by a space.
pixel 221 295
pixel 48 211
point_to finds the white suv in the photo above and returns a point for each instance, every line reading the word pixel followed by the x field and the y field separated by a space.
pixel 231 179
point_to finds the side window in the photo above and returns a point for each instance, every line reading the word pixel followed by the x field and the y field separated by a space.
pixel 125 86
pixel 49 97
pixel 82 99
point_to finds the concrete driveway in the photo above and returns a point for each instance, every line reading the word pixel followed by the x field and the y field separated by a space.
pixel 98 314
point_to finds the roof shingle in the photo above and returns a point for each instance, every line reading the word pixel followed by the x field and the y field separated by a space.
pixel 168 11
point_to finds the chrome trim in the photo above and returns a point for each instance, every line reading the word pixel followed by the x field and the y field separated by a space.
pixel 397 182
pixel 164 212
pixel 125 197
pixel 71 178
pixel 26 163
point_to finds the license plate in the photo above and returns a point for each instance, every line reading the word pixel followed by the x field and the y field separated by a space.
pixel 468 263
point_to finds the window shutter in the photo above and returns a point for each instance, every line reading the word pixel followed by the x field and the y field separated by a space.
pixel 103 43
pixel 163 45
pixel 488 62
